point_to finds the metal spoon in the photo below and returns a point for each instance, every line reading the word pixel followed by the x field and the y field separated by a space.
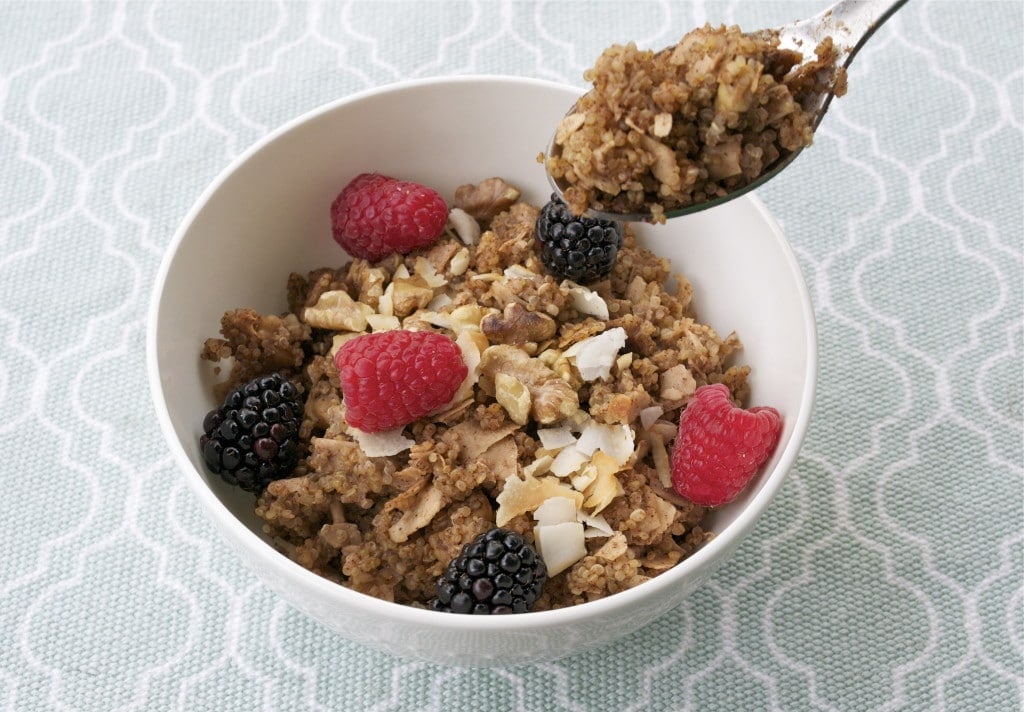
pixel 849 22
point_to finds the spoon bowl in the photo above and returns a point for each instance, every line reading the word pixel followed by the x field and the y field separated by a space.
pixel 848 22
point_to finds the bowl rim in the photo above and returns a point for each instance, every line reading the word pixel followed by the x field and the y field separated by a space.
pixel 242 536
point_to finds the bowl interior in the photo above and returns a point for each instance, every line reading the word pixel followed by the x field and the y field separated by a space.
pixel 268 215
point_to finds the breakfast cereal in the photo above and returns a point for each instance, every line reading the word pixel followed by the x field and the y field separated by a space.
pixel 558 432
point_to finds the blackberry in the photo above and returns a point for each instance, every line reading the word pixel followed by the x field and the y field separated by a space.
pixel 252 439
pixel 578 248
pixel 496 573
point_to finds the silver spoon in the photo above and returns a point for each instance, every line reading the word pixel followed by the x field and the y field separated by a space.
pixel 849 22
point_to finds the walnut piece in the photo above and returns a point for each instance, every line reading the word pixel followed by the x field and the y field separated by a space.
pixel 486 199
pixel 410 294
pixel 553 398
pixel 513 396
pixel 337 311
pixel 516 325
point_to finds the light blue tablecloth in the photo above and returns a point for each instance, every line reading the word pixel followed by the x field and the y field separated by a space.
pixel 886 576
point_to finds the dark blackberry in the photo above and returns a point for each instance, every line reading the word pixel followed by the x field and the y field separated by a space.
pixel 578 248
pixel 496 573
pixel 252 439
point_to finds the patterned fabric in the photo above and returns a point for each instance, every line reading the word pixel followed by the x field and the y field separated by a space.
pixel 886 576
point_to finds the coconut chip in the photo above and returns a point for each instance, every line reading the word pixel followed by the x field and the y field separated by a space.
pixel 586 301
pixel 524 495
pixel 464 225
pixel 596 355
pixel 383 444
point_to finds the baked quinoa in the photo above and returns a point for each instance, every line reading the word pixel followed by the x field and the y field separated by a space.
pixel 572 396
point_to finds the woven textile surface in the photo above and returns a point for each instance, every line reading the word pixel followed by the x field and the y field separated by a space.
pixel 887 574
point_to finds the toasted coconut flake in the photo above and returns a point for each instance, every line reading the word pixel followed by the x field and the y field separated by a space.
pixel 475 441
pixel 382 444
pixel 556 438
pixel 465 225
pixel 519 496
pixel 502 458
pixel 539 466
pixel 560 545
pixel 586 301
pixel 660 456
pixel 584 478
pixel 648 416
pixel 616 441
pixel 555 510
pixel 520 272
pixel 596 355
pixel 596 525
pixel 568 461
pixel 602 490
pixel 428 504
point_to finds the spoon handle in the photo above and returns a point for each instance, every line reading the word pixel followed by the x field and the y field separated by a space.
pixel 849 22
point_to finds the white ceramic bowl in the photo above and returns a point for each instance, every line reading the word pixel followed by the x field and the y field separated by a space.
pixel 267 215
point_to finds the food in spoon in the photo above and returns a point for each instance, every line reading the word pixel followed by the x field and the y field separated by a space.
pixel 465 394
pixel 664 130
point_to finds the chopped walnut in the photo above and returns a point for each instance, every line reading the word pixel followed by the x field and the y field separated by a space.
pixel 553 399
pixel 336 310
pixel 486 199
pixel 516 325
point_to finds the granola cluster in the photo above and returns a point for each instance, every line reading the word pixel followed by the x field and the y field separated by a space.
pixel 572 396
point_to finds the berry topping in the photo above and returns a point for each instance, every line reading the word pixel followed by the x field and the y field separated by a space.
pixel 376 216
pixel 719 446
pixel 496 573
pixel 580 249
pixel 251 439
pixel 391 378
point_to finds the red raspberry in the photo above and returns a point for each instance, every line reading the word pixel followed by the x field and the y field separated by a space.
pixel 376 216
pixel 392 378
pixel 719 446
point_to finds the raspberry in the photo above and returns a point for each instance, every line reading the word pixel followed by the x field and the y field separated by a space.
pixel 252 438
pixel 581 249
pixel 719 446
pixel 392 378
pixel 495 573
pixel 376 216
